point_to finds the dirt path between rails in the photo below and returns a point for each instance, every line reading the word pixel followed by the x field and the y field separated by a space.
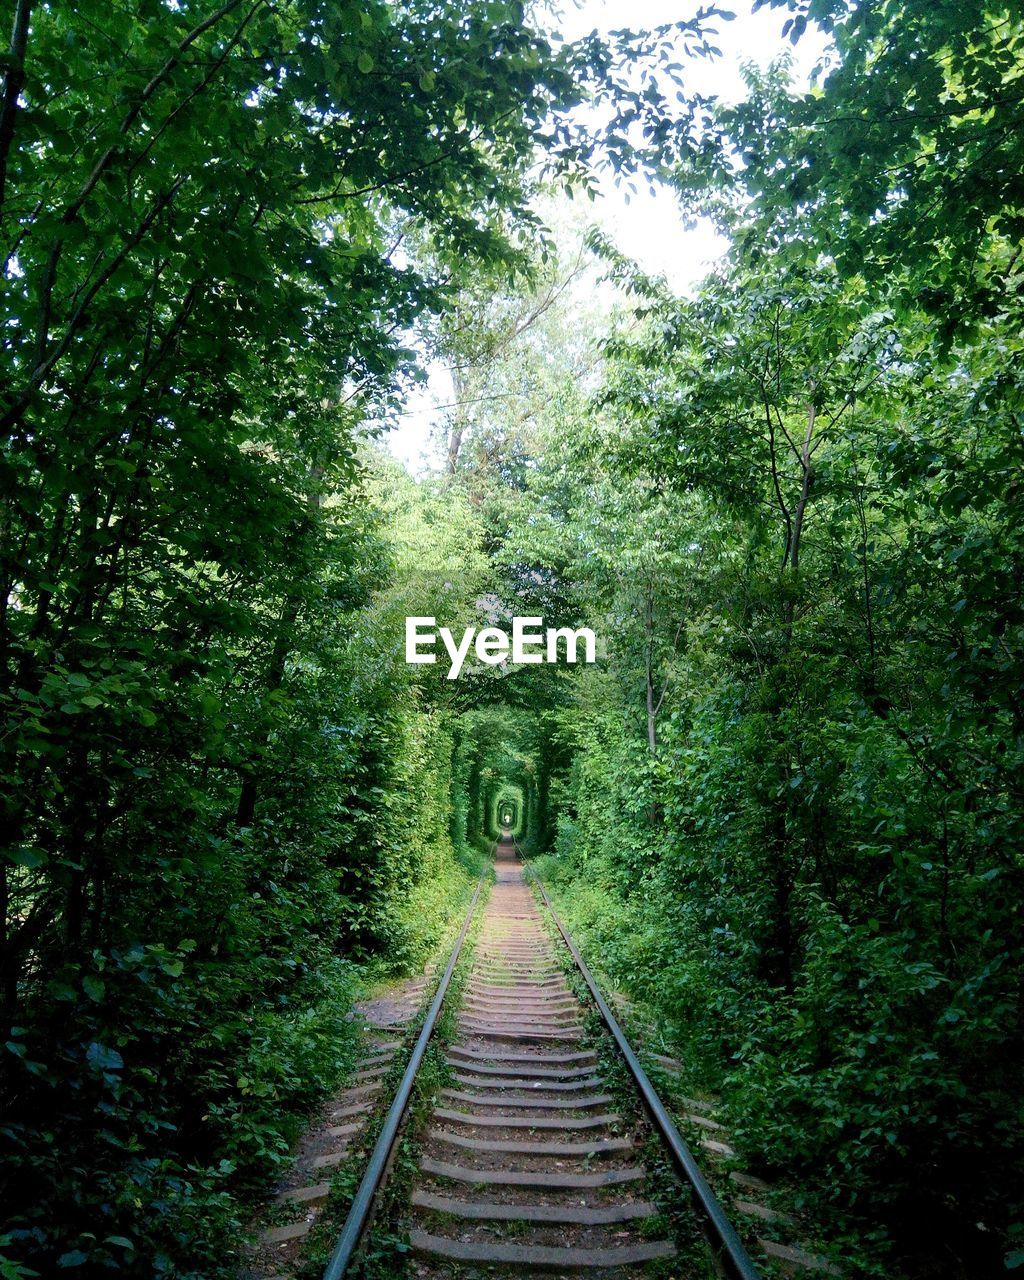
pixel 525 1163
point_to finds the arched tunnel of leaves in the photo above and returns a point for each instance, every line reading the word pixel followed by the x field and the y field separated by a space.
pixel 508 807
pixel 786 804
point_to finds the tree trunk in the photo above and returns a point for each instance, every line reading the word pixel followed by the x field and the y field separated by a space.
pixel 14 82
pixel 794 535
pixel 458 431
pixel 652 710
pixel 805 490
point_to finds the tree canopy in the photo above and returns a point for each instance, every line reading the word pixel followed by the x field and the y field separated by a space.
pixel 786 804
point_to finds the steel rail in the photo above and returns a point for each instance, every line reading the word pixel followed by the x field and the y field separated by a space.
pixel 359 1211
pixel 734 1255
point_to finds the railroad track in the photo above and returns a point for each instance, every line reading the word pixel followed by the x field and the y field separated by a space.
pixel 525 1163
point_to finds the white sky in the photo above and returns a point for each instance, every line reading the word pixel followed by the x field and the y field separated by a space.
pixel 648 228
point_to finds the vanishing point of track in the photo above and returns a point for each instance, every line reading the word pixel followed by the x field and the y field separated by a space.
pixel 524 1163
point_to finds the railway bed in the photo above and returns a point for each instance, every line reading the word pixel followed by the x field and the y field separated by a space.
pixel 525 1164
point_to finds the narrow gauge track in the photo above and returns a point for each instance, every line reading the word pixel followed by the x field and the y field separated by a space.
pixel 523 1163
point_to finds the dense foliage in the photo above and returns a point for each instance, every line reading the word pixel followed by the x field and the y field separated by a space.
pixel 217 794
pixel 793 820
pixel 788 801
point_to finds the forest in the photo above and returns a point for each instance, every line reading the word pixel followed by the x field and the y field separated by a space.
pixel 784 810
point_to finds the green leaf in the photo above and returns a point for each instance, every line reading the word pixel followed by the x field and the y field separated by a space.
pixel 28 857
pixel 95 988
pixel 100 1055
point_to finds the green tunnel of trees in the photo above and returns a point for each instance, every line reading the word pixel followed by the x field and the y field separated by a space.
pixel 785 807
